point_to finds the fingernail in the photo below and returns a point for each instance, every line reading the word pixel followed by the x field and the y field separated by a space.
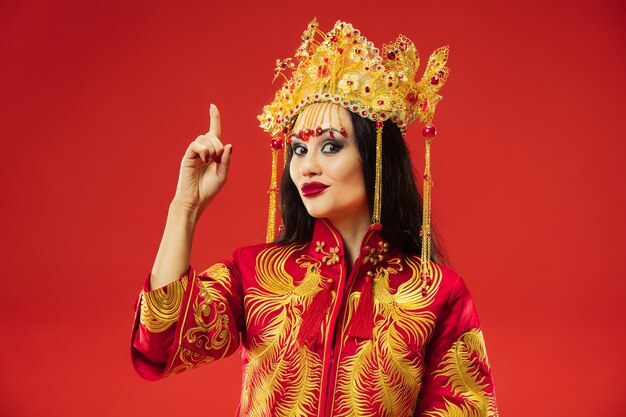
pixel 218 159
pixel 231 149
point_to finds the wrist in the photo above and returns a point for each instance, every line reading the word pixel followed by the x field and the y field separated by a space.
pixel 184 211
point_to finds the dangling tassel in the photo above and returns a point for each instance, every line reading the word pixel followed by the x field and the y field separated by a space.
pixel 429 133
pixel 276 145
pixel 378 187
pixel 312 318
pixel 363 320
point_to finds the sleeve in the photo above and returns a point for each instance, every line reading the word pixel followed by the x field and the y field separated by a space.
pixel 458 380
pixel 188 323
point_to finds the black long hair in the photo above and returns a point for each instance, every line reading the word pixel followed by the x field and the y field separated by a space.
pixel 401 211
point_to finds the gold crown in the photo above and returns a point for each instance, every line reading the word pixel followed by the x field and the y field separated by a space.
pixel 346 69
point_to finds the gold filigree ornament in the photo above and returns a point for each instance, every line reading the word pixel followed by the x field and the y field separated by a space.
pixel 342 67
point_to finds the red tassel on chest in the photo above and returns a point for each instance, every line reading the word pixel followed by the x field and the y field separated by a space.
pixel 313 317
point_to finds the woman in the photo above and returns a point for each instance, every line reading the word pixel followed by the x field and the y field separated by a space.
pixel 339 316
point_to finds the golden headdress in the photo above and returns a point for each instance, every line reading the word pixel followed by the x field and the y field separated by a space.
pixel 344 68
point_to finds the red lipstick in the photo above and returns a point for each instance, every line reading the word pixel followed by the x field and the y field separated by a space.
pixel 310 189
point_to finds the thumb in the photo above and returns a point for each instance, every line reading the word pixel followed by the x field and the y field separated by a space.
pixel 222 167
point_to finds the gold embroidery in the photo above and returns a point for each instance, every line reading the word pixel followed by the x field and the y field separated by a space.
pixel 187 359
pixel 384 376
pixel 210 312
pixel 281 377
pixel 374 256
pixel 461 367
pixel 161 308
pixel 331 257
pixel 211 332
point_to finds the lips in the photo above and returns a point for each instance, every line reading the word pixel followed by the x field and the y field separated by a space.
pixel 310 189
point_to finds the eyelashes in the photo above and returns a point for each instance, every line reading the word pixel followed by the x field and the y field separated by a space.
pixel 330 146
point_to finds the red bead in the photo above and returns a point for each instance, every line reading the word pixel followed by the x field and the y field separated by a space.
pixel 333 39
pixel 391 55
pixel 367 89
pixel 429 131
pixel 355 108
pixel 434 80
pixel 441 73
pixel 379 124
pixel 424 292
pixel 381 102
pixel 325 59
pixel 340 50
pixel 318 130
pixel 301 134
pixel 390 84
pixel 403 46
pixel 309 133
pixel 344 133
pixel 349 82
pixel 348 35
pixel 331 134
pixel 378 227
pixel 411 98
pixel 276 144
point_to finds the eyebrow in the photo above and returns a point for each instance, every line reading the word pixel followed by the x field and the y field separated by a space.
pixel 294 135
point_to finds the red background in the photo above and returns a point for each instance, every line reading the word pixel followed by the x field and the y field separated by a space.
pixel 100 100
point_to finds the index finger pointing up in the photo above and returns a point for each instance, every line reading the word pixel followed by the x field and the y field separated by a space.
pixel 216 127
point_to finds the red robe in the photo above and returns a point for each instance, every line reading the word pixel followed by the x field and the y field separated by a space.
pixel 291 309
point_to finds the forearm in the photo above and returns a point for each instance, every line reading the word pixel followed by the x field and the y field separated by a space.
pixel 174 253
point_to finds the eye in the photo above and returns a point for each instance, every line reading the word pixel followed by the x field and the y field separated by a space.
pixel 298 149
pixel 331 147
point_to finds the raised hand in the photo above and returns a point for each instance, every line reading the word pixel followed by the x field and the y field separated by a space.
pixel 204 168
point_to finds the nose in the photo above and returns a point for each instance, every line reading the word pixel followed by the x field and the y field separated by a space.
pixel 309 165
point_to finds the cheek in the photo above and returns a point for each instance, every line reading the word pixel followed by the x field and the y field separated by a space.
pixel 350 175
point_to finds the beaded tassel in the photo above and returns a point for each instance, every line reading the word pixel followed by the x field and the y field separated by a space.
pixel 429 133
pixel 378 187
pixel 273 192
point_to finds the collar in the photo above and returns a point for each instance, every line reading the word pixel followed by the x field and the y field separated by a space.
pixel 328 244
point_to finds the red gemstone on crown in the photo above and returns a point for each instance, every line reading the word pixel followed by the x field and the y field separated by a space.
pixel 343 132
pixel 379 124
pixel 429 131
pixel 434 80
pixel 367 89
pixel 276 144
pixel 318 130
pixel 391 55
pixel 381 102
pixel 349 82
pixel 355 108
pixel 411 98
pixel 340 50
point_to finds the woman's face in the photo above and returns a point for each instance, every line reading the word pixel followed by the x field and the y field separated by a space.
pixel 326 168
